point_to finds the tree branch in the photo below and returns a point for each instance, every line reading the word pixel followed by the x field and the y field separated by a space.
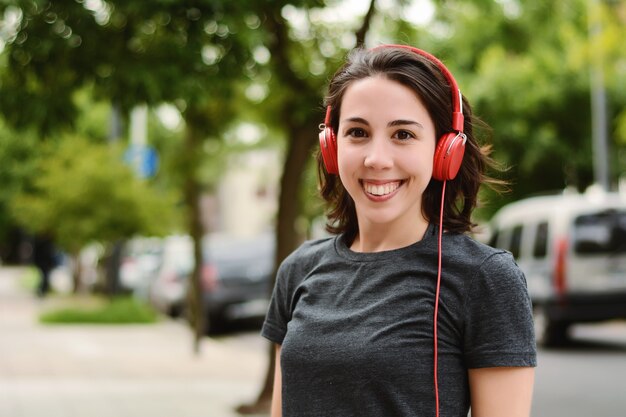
pixel 367 20
pixel 278 48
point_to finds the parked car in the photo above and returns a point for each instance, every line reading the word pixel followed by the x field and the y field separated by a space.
pixel 167 291
pixel 572 249
pixel 141 258
pixel 236 278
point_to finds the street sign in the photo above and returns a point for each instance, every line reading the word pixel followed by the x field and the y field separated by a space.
pixel 144 159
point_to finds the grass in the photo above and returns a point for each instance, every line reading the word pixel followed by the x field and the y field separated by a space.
pixel 121 310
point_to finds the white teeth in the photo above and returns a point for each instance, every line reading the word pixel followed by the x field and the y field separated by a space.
pixel 381 189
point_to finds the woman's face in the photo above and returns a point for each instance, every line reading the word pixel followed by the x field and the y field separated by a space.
pixel 385 148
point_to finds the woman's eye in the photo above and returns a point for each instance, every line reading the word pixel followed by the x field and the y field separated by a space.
pixel 356 132
pixel 403 135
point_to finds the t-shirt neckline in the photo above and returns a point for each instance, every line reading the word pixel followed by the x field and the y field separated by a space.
pixel 430 238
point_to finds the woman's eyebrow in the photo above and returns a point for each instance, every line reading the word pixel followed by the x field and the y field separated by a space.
pixel 399 122
pixel 404 122
pixel 357 120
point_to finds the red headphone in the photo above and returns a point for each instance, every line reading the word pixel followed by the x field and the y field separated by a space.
pixel 450 146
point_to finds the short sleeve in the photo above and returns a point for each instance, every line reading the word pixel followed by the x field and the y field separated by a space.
pixel 278 314
pixel 499 329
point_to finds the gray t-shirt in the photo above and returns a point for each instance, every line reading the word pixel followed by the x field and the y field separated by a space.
pixel 356 329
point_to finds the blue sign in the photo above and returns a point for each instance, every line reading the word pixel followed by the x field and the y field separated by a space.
pixel 144 159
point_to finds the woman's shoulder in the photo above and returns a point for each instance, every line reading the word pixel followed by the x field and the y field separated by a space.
pixel 311 251
pixel 477 253
pixel 487 267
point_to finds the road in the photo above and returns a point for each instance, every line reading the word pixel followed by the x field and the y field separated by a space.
pixel 122 371
pixel 585 379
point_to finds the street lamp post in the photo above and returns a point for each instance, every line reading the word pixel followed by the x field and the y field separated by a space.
pixel 601 164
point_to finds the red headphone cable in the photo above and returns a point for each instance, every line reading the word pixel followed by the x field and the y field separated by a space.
pixel 443 194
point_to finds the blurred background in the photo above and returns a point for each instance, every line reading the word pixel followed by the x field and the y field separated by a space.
pixel 156 165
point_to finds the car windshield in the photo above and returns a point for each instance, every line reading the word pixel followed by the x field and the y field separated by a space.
pixel 252 258
pixel 600 233
pixel 232 257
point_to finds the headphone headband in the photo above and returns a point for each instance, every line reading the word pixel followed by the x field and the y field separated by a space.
pixel 457 102
pixel 327 118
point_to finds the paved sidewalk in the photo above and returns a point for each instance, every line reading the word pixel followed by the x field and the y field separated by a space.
pixel 121 371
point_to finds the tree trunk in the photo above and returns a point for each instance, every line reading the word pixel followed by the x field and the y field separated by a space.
pixel 298 154
pixel 112 269
pixel 289 205
pixel 77 272
pixel 192 192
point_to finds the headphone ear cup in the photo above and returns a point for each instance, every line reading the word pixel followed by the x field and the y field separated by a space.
pixel 448 156
pixel 328 147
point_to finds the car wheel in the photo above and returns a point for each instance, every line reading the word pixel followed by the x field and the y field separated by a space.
pixel 548 331
pixel 176 310
pixel 215 324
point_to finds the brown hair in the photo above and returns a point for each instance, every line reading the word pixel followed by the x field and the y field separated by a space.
pixel 427 81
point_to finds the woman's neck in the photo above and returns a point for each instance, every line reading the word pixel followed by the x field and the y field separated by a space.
pixel 378 238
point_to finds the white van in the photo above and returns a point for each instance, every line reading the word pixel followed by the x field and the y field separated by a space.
pixel 572 249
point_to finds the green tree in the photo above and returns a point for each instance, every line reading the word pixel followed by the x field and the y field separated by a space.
pixel 528 77
pixel 131 52
pixel 85 193
pixel 194 54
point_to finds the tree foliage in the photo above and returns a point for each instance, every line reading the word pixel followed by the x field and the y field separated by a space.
pixel 528 77
pixel 132 51
pixel 193 54
pixel 84 193
pixel 17 165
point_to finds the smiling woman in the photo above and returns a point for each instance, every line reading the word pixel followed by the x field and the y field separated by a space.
pixel 401 313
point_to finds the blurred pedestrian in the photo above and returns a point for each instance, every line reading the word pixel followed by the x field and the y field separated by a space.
pixel 44 259
pixel 401 313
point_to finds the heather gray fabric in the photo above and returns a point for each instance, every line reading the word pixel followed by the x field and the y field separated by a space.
pixel 356 329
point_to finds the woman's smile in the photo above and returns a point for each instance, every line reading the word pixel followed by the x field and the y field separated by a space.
pixel 381 190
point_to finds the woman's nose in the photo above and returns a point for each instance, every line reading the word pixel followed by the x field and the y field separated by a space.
pixel 378 154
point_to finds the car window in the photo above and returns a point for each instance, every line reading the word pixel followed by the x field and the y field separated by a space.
pixel 493 241
pixel 516 241
pixel 600 233
pixel 253 258
pixel 179 259
pixel 540 245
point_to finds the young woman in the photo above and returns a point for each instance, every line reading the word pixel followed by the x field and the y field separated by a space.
pixel 400 313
